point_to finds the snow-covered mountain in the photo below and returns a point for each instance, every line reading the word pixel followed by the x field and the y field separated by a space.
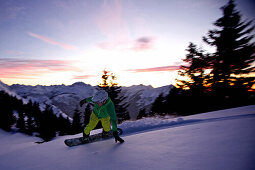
pixel 219 140
pixel 37 97
pixel 6 89
pixel 67 98
pixel 141 97
pixel 60 97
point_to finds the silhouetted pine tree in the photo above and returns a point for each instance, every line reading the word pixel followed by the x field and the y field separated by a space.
pixel 7 118
pixel 174 100
pixel 159 107
pixel 64 126
pixel 195 70
pixel 142 113
pixel 86 115
pixel 47 124
pixel 36 111
pixel 21 124
pixel 30 121
pixel 221 79
pixel 234 56
pixel 120 107
pixel 76 124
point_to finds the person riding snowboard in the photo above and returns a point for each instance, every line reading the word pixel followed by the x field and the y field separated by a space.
pixel 103 111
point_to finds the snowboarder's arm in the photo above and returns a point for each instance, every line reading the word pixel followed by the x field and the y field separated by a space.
pixel 114 125
pixel 111 111
pixel 87 100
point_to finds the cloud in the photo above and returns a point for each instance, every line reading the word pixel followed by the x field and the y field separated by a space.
pixel 111 24
pixel 140 44
pixel 143 43
pixel 109 18
pixel 17 68
pixel 83 76
pixel 53 42
pixel 155 69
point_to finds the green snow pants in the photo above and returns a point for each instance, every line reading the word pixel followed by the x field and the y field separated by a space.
pixel 93 121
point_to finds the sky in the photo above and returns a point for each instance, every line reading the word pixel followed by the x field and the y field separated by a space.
pixel 54 42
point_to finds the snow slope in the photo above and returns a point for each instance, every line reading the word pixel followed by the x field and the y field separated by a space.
pixel 219 140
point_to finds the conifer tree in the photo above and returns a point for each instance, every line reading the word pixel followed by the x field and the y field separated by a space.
pixel 64 125
pixel 234 57
pixel 195 70
pixel 7 118
pixel 36 116
pixel 86 115
pixel 30 122
pixel 21 124
pixel 47 128
pixel 142 113
pixel 158 107
pixel 175 100
pixel 76 124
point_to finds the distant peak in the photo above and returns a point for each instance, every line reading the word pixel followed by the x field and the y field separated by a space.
pixel 79 84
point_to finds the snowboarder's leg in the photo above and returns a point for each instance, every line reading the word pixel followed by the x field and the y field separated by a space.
pixel 106 126
pixel 106 123
pixel 92 124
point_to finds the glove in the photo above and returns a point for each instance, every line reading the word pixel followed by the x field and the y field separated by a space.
pixel 117 138
pixel 82 102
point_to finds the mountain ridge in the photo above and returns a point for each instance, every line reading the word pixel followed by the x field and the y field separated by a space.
pixel 66 97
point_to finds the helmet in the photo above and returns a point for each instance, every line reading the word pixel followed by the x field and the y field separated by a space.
pixel 100 96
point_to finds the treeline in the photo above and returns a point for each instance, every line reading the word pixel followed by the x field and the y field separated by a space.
pixel 212 81
pixel 187 102
pixel 30 119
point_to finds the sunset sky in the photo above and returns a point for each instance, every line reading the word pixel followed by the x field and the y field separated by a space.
pixel 51 42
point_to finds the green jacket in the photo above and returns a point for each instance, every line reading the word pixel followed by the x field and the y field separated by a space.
pixel 105 110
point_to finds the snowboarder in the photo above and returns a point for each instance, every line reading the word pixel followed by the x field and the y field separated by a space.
pixel 103 111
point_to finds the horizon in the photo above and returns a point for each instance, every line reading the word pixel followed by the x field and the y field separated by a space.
pixel 83 83
pixel 140 42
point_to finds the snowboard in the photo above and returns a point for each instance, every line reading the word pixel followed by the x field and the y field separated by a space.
pixel 92 138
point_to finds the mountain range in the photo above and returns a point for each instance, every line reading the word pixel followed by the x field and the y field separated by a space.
pixel 65 98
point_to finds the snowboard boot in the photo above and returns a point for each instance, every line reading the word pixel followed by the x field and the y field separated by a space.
pixel 105 134
pixel 85 137
pixel 117 138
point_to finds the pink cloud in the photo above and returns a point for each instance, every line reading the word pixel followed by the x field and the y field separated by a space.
pixel 53 42
pixel 155 69
pixel 143 43
pixel 28 69
pixel 110 22
pixel 140 44
pixel 84 76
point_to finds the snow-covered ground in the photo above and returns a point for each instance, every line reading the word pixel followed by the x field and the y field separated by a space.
pixel 220 140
